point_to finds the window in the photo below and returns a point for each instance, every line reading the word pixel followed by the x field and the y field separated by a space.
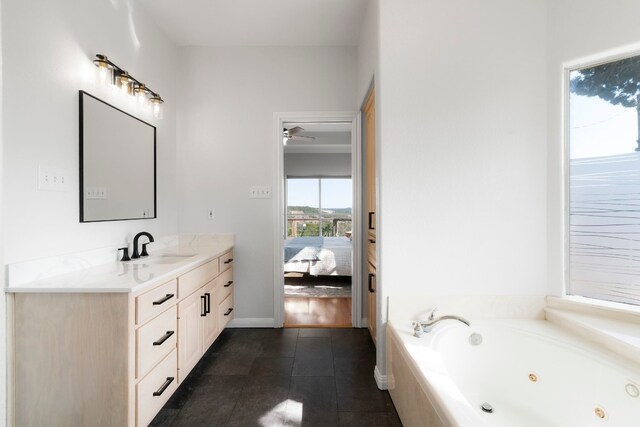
pixel 319 207
pixel 604 181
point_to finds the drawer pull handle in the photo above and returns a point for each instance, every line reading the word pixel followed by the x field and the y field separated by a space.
pixel 371 214
pixel 203 313
pixel 371 277
pixel 164 338
pixel 164 386
pixel 207 303
pixel 372 240
pixel 229 283
pixel 163 300
pixel 229 261
pixel 228 312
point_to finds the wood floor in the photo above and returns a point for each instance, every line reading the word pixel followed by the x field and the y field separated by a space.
pixel 317 312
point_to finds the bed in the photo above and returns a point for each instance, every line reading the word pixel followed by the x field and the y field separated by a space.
pixel 318 256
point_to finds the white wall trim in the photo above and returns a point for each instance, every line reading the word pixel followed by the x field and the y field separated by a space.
pixel 382 381
pixel 251 322
pixel 280 214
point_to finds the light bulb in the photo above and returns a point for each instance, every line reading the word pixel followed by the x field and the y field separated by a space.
pixel 104 69
pixel 104 76
pixel 125 83
pixel 157 111
pixel 156 102
pixel 141 92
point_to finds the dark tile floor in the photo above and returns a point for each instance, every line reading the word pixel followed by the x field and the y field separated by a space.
pixel 283 377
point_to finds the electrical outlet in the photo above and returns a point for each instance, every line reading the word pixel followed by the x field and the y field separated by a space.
pixel 52 179
pixel 210 213
pixel 263 192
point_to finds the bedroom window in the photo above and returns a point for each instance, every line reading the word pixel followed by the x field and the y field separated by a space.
pixel 319 207
pixel 604 181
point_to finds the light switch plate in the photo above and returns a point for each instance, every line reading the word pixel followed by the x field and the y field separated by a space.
pixel 95 193
pixel 260 192
pixel 52 179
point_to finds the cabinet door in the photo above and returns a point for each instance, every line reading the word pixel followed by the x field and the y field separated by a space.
pixel 371 317
pixel 209 321
pixel 190 311
pixel 370 162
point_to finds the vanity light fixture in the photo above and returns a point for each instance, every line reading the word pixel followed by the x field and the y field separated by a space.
pixel 141 93
pixel 157 102
pixel 110 73
pixel 104 68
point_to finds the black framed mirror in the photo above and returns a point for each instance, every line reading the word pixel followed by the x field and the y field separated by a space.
pixel 117 163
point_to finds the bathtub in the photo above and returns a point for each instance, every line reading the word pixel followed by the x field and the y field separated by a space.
pixel 531 372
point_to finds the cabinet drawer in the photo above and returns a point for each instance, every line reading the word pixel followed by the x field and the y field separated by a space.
pixel 226 261
pixel 155 301
pixel 155 389
pixel 225 312
pixel 155 340
pixel 224 285
pixel 196 278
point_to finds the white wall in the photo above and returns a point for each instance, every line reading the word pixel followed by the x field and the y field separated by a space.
pixel 48 49
pixel 317 164
pixel 368 51
pixel 226 101
pixel 577 29
pixel 462 148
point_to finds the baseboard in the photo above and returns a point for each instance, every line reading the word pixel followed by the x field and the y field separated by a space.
pixel 381 380
pixel 251 322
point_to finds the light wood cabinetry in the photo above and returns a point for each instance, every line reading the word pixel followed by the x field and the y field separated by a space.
pixel 114 359
pixel 155 340
pixel 369 113
pixel 190 311
pixel 371 285
pixel 193 280
pixel 210 328
pixel 225 261
pixel 225 311
pixel 149 304
pixel 155 389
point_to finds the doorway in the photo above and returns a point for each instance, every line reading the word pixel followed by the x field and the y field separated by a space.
pixel 318 247
pixel 317 210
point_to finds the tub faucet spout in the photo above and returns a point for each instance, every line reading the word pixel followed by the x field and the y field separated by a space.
pixel 433 321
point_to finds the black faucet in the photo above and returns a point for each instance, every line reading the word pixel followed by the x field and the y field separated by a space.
pixel 136 254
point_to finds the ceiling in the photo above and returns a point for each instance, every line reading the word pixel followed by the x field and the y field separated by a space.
pixel 259 22
pixel 329 138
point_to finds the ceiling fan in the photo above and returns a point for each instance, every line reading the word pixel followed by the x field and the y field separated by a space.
pixel 292 135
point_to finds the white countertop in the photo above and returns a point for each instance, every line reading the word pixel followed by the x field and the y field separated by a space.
pixel 129 276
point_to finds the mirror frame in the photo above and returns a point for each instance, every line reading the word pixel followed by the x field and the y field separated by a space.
pixel 81 93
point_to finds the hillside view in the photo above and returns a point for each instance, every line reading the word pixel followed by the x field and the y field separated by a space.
pixel 303 221
pixel 326 212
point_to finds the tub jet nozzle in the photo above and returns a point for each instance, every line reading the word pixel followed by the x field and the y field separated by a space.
pixel 486 407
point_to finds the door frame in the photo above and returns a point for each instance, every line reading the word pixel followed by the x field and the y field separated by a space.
pixel 279 231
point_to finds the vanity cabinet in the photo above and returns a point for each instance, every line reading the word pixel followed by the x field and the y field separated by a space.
pixel 197 324
pixel 114 358
pixel 190 329
pixel 210 330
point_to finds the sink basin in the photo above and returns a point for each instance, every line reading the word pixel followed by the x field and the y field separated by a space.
pixel 162 259
pixel 176 255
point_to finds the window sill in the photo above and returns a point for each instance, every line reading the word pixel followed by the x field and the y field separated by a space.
pixel 614 327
